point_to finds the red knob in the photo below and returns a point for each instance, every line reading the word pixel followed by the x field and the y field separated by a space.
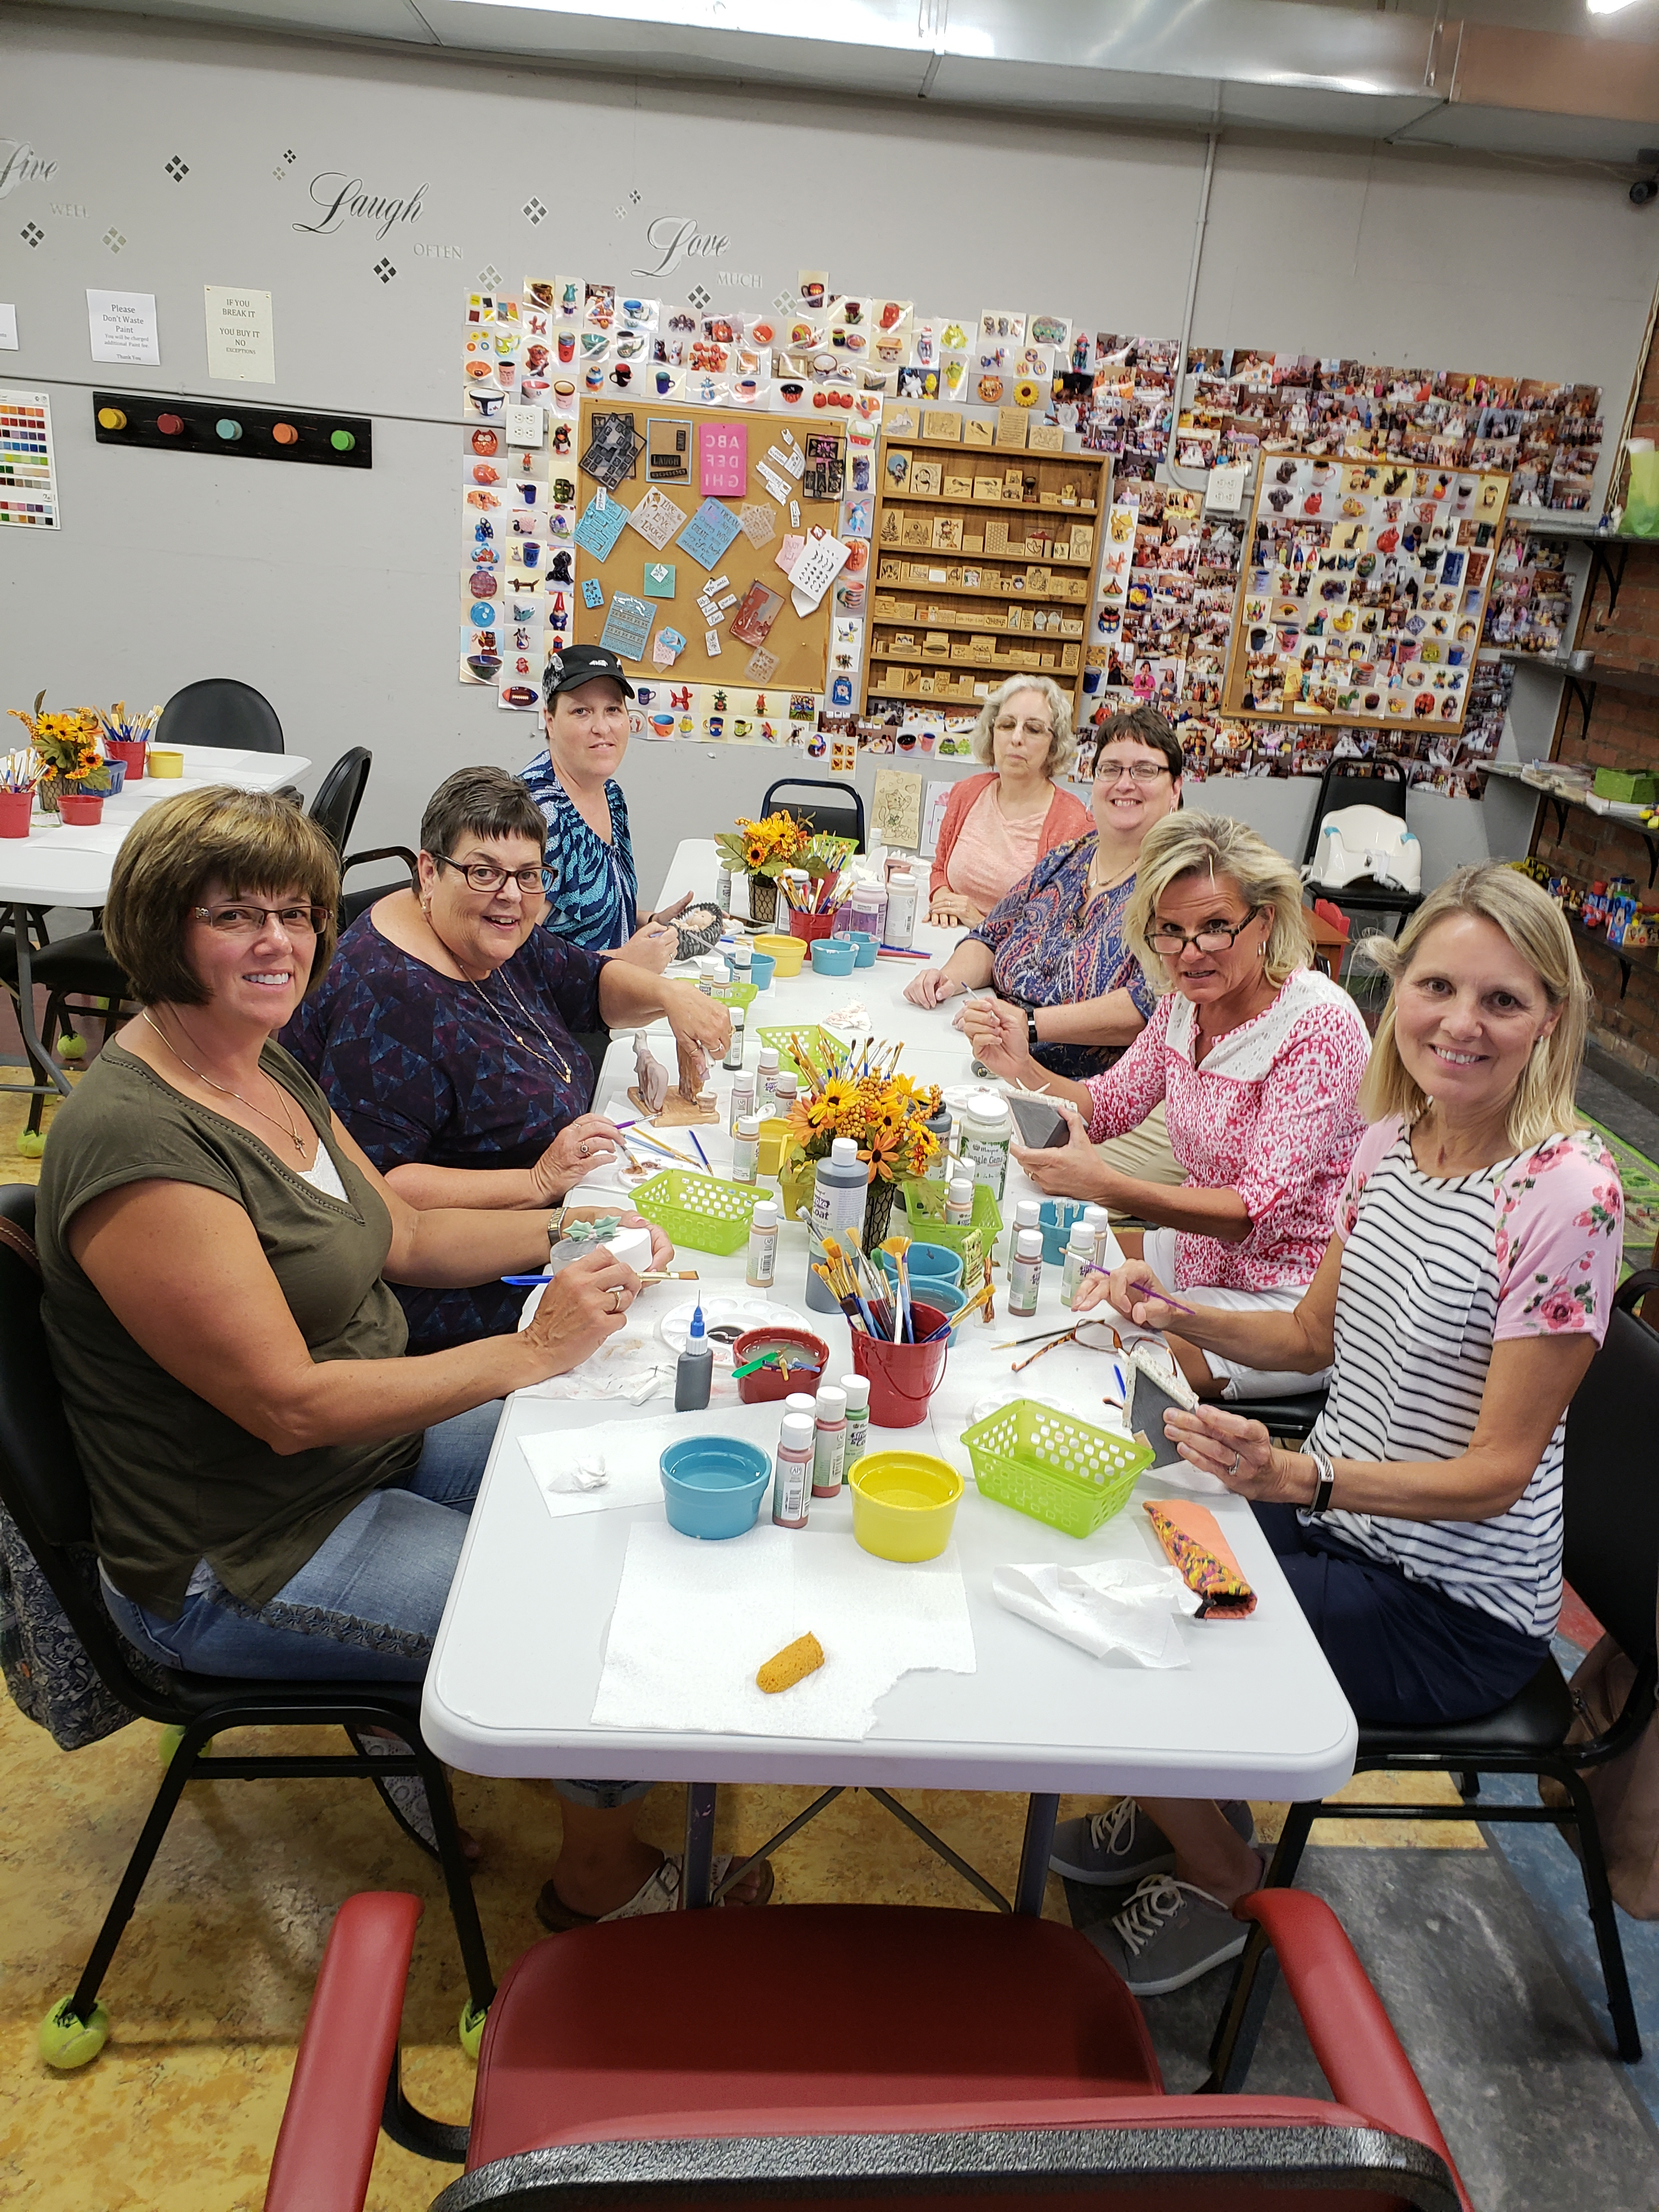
pixel 169 425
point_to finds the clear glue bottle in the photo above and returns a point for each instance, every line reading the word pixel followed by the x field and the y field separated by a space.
pixel 734 1050
pixel 987 1130
pixel 766 1076
pixel 792 1473
pixel 856 1390
pixel 838 1192
pixel 743 1102
pixel 694 1372
pixel 763 1262
pixel 746 1150
pixel 959 1202
pixel 1079 1254
pixel 829 1440
pixel 1026 1273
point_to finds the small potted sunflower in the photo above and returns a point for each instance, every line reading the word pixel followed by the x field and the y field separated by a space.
pixel 74 776
pixel 761 850
pixel 860 1095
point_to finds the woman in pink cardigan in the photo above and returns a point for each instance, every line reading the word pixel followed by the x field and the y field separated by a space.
pixel 997 826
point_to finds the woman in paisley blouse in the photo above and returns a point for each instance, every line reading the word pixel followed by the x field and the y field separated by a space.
pixel 1257 1062
pixel 444 1035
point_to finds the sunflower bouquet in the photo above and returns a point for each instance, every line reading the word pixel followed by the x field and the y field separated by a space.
pixel 763 849
pixel 67 744
pixel 860 1093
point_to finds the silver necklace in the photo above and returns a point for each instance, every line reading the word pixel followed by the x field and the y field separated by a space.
pixel 225 1091
pixel 558 1062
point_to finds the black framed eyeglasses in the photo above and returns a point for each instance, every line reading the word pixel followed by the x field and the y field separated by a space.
pixel 241 920
pixel 485 876
pixel 1170 943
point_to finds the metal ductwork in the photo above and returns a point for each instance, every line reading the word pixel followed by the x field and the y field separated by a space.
pixel 1585 93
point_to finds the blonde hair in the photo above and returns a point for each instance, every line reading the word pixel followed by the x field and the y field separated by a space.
pixel 1214 844
pixel 1062 745
pixel 1542 1104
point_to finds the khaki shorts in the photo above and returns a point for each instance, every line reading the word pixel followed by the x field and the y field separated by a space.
pixel 1144 1153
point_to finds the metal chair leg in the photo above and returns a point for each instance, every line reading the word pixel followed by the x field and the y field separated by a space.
pixel 458 1879
pixel 1603 1918
pixel 1468 1781
pixel 1246 2007
pixel 1033 1879
pixel 123 1903
pixel 699 1797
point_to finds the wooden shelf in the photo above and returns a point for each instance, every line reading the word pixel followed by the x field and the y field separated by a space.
pixel 1004 591
pixel 960 445
pixel 913 656
pixel 994 506
pixel 1002 553
pixel 949 618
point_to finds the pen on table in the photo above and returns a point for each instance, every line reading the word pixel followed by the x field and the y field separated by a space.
pixel 902 952
pixel 702 1155
pixel 1089 1267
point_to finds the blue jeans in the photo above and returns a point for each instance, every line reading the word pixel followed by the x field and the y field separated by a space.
pixel 366 1605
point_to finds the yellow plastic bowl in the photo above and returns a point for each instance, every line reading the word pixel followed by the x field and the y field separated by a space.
pixel 774 1143
pixel 787 952
pixel 904 1503
pixel 163 761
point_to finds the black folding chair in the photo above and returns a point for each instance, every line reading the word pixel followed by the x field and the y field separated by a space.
pixel 840 818
pixel 1612 1560
pixel 222 711
pixel 43 1487
pixel 1341 787
pixel 340 795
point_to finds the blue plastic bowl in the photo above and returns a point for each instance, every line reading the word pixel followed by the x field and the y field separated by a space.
pixel 933 1264
pixel 867 946
pixel 949 1300
pixel 834 956
pixel 712 1487
pixel 761 968
pixel 1056 1217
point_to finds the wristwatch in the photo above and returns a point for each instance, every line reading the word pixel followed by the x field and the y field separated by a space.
pixel 556 1227
pixel 1030 1029
pixel 1325 1484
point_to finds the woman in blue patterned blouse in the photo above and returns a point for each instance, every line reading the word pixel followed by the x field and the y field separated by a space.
pixel 442 1035
pixel 585 698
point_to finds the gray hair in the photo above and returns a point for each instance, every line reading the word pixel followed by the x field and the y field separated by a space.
pixel 1062 745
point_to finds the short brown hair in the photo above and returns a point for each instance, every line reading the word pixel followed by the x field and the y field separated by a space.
pixel 1147 727
pixel 488 802
pixel 251 841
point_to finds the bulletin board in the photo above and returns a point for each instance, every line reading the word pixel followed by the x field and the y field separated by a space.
pixel 799 644
pixel 1364 592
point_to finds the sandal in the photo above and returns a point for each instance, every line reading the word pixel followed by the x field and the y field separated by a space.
pixel 658 1892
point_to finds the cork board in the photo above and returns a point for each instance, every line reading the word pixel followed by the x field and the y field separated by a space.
pixel 1364 592
pixel 800 644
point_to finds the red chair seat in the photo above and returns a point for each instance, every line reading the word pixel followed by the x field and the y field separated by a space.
pixel 750 2023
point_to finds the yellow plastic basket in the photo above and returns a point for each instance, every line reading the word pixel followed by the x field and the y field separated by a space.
pixel 1057 1469
pixel 700 1211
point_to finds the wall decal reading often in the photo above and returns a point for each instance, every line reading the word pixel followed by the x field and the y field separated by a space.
pixel 340 196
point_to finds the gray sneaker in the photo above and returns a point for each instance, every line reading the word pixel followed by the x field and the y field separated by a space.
pixel 1167 1935
pixel 1111 1849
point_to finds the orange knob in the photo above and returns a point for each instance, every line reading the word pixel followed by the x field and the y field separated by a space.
pixel 285 433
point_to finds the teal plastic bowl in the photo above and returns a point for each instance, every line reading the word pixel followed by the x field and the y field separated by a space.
pixel 934 1263
pixel 761 968
pixel 834 956
pixel 712 1487
pixel 866 947
pixel 1056 1216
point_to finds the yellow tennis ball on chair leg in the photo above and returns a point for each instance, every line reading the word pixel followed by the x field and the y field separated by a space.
pixel 72 1048
pixel 30 1144
pixel 471 2028
pixel 67 2041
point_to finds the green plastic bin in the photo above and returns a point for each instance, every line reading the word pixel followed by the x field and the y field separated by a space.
pixel 698 1210
pixel 1058 1469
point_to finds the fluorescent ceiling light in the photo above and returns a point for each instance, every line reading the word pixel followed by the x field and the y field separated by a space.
pixel 1607 7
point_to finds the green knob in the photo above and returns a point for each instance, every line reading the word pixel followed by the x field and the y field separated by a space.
pixel 343 442
pixel 229 430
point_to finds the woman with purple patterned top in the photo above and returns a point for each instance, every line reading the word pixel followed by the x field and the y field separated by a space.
pixel 442 1035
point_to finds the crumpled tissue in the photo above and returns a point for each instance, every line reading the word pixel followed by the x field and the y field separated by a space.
pixel 1108 1606
pixel 588 1472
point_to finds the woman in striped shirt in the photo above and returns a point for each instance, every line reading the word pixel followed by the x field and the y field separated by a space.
pixel 1459 1303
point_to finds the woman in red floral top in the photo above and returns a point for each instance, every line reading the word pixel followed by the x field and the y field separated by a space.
pixel 1257 1060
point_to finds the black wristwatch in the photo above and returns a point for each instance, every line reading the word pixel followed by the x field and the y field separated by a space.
pixel 1030 1029
pixel 1325 1484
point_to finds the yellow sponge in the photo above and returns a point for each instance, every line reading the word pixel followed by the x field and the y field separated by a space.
pixel 792 1664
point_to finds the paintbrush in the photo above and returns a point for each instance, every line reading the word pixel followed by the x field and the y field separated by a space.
pixel 1089 1267
pixel 979 1298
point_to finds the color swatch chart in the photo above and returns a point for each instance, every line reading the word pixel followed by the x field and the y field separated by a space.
pixel 28 489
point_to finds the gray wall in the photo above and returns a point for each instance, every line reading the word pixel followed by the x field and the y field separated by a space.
pixel 336 593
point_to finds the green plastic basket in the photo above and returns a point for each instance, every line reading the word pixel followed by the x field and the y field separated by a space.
pixel 973 1242
pixel 816 1039
pixel 1057 1469
pixel 736 995
pixel 700 1211
pixel 1628 786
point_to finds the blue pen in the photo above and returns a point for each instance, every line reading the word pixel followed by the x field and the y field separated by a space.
pixel 526 1282
pixel 702 1155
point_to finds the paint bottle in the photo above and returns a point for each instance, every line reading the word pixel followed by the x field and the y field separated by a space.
pixel 791 1471
pixel 1098 1223
pixel 694 1371
pixel 746 1150
pixel 856 1390
pixel 959 1203
pixel 766 1075
pixel 723 891
pixel 802 1402
pixel 901 909
pixel 987 1130
pixel 838 1194
pixel 1079 1254
pixel 734 1050
pixel 786 1089
pixel 712 972
pixel 829 1440
pixel 1026 1273
pixel 1028 1214
pixel 743 1102
pixel 937 1168
pixel 741 957
pixel 763 1261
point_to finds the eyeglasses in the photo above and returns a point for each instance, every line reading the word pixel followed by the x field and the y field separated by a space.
pixel 249 920
pixel 1141 772
pixel 485 876
pixel 1170 943
pixel 1006 729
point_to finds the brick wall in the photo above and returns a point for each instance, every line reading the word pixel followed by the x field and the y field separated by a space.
pixel 1623 732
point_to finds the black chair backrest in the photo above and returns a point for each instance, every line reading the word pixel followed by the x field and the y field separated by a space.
pixel 1341 787
pixel 220 710
pixel 42 1484
pixel 352 903
pixel 836 818
pixel 1610 1499
pixel 340 795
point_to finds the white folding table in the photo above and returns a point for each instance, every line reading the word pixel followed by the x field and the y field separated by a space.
pixel 512 1683
pixel 61 865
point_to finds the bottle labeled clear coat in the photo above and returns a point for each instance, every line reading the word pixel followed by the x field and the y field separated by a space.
pixel 856 1389
pixel 829 1440
pixel 1079 1254
pixel 763 1260
pixel 1026 1273
pixel 746 1150
pixel 791 1471
pixel 987 1130
pixel 838 1195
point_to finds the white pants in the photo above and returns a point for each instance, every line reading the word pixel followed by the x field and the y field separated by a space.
pixel 1242 1382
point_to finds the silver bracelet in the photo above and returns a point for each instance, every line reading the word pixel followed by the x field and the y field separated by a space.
pixel 1325 1484
pixel 556 1227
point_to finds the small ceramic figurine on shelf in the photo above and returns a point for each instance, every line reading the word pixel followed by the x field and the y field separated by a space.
pixel 651 1077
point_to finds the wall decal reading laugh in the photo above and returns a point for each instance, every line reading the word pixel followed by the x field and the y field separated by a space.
pixel 341 197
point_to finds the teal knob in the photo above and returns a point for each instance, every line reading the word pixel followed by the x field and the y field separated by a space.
pixel 229 430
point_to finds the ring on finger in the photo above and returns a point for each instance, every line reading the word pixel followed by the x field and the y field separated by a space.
pixel 1237 1456
pixel 618 1292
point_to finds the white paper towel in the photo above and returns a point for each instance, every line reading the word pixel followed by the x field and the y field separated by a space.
pixel 693 1622
pixel 1104 1607
pixel 633 1451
